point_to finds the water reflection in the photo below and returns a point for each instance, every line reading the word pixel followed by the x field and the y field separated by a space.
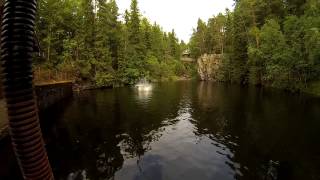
pixel 144 90
pixel 182 130
pixel 143 96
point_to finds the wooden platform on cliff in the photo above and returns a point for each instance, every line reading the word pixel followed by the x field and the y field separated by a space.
pixel 186 57
pixel 188 60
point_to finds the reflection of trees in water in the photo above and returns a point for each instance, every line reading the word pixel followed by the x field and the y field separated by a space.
pixel 208 109
pixel 109 161
pixel 262 135
pixel 222 113
pixel 229 116
pixel 271 135
pixel 78 148
pixel 136 144
pixel 100 129
pixel 144 125
pixel 76 156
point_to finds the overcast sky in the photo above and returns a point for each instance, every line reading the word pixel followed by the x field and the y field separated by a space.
pixel 181 15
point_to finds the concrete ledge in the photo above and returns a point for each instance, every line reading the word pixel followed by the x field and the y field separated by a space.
pixel 47 95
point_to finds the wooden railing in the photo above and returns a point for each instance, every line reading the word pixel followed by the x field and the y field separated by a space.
pixel 45 76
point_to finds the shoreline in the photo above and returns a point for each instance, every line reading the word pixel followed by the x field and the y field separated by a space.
pixel 87 86
pixel 313 91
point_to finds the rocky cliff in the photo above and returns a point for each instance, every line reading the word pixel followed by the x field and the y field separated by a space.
pixel 208 66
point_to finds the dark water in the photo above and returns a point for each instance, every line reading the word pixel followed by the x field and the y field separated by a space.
pixel 183 130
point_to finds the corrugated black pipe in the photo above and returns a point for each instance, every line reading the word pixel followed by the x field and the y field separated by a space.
pixel 17 40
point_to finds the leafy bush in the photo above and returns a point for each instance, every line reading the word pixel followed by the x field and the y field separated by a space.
pixel 104 79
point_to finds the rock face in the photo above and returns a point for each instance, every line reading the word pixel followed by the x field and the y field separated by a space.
pixel 208 66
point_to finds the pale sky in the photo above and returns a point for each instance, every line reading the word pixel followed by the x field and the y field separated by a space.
pixel 180 15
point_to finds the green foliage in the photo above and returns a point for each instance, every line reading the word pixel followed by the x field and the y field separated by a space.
pixel 161 70
pixel 104 79
pixel 272 43
pixel 102 50
pixel 314 88
pixel 198 40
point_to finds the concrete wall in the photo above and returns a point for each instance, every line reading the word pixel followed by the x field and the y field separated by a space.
pixel 49 94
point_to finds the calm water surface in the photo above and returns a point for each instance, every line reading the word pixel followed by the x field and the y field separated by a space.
pixel 184 130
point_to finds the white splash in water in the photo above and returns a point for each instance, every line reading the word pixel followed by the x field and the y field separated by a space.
pixel 144 86
pixel 144 90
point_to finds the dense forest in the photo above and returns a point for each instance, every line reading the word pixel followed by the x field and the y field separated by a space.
pixel 265 42
pixel 270 43
pixel 89 42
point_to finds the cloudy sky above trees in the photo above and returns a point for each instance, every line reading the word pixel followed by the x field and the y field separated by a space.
pixel 181 15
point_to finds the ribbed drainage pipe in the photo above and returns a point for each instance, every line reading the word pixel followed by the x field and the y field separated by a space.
pixel 17 39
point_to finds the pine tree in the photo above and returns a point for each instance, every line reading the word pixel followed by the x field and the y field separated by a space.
pixel 198 40
pixel 174 46
pixel 135 63
pixel 86 38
